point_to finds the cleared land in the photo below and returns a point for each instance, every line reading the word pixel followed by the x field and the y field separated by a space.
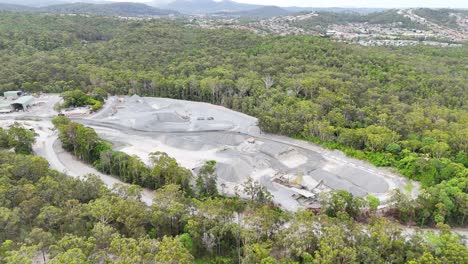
pixel 232 147
pixel 193 132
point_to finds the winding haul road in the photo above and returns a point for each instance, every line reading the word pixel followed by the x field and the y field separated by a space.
pixel 365 178
pixel 47 145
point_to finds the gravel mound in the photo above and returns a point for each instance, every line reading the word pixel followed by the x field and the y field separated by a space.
pixel 168 115
pixel 337 182
pixel 237 170
pixel 188 142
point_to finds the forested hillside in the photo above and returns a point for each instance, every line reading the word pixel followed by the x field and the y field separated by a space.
pixel 261 12
pixel 445 17
pixel 15 8
pixel 387 17
pixel 399 107
pixel 46 216
pixel 108 9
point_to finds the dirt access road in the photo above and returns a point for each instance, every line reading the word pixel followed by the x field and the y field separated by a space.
pixel 193 133
pixel 197 146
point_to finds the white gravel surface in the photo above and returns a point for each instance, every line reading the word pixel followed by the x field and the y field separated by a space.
pixel 137 132
pixel 139 126
pixel 193 132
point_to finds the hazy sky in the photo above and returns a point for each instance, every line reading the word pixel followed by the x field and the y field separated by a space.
pixel 348 3
pixel 363 3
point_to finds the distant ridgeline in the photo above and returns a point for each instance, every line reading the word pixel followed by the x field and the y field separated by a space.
pixel 111 9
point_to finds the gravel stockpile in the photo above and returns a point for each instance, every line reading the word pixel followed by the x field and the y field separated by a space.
pixel 193 132
pixel 169 115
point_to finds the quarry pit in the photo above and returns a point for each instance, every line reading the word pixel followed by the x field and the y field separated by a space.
pixel 294 172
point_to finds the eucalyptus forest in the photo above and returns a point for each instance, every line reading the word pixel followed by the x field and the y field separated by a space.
pixel 399 107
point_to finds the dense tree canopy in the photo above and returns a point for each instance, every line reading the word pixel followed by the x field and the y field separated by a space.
pixel 86 145
pixel 18 138
pixel 400 107
pixel 60 219
pixel 77 98
pixel 45 214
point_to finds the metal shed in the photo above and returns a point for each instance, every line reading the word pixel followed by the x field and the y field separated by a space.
pixel 22 103
pixel 12 94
